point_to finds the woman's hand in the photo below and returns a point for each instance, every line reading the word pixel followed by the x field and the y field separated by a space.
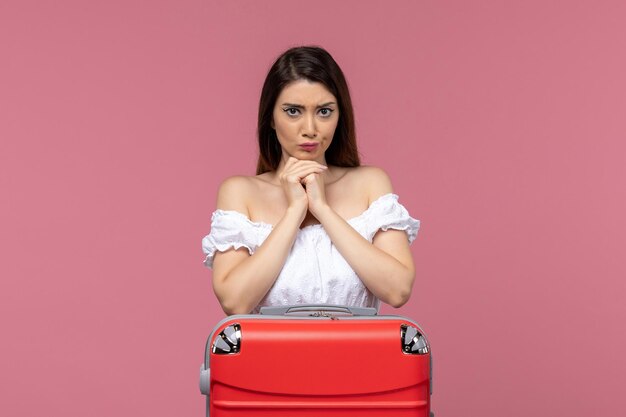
pixel 292 178
pixel 315 193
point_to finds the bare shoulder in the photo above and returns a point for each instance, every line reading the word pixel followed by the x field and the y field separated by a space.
pixel 374 180
pixel 233 192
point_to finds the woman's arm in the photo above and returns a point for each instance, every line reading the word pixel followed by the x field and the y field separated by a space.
pixel 386 265
pixel 240 281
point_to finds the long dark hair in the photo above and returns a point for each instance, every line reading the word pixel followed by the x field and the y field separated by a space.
pixel 314 64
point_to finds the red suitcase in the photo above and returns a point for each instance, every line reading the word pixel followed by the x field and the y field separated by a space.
pixel 309 360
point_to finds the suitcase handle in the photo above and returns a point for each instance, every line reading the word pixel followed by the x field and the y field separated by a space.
pixel 316 308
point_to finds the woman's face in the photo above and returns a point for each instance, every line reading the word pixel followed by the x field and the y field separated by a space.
pixel 305 117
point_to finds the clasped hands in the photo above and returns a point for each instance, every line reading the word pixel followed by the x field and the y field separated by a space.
pixel 303 184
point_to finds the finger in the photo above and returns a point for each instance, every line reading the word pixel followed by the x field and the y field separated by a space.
pixel 306 179
pixel 306 168
pixel 296 161
pixel 300 162
pixel 300 176
pixel 303 165
pixel 311 178
pixel 290 162
pixel 301 169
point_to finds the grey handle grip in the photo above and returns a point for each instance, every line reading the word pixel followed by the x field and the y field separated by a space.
pixel 329 308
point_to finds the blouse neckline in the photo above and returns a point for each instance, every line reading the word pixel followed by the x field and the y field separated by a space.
pixel 310 226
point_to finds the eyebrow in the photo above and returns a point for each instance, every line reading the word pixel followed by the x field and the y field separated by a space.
pixel 300 106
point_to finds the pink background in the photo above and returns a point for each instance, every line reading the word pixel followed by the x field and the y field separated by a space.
pixel 501 124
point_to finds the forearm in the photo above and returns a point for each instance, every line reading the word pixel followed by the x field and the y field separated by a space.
pixel 385 276
pixel 247 283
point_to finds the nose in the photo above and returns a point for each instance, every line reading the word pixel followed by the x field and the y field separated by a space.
pixel 308 128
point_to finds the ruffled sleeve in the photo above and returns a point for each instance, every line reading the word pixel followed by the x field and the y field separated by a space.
pixel 387 213
pixel 231 229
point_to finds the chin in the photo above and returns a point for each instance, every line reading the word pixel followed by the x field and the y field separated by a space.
pixel 307 156
pixel 300 154
pixel 312 157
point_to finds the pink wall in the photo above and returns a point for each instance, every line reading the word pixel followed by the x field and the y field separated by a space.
pixel 501 123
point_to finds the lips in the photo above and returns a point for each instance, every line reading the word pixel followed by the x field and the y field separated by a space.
pixel 309 146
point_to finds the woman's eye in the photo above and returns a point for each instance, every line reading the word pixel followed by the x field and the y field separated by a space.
pixel 292 111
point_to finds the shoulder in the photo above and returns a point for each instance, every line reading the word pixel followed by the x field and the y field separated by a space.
pixel 374 181
pixel 241 193
pixel 232 193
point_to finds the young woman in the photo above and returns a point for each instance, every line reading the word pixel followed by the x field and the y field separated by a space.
pixel 313 226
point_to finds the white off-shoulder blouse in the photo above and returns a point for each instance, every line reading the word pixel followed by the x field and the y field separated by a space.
pixel 314 272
